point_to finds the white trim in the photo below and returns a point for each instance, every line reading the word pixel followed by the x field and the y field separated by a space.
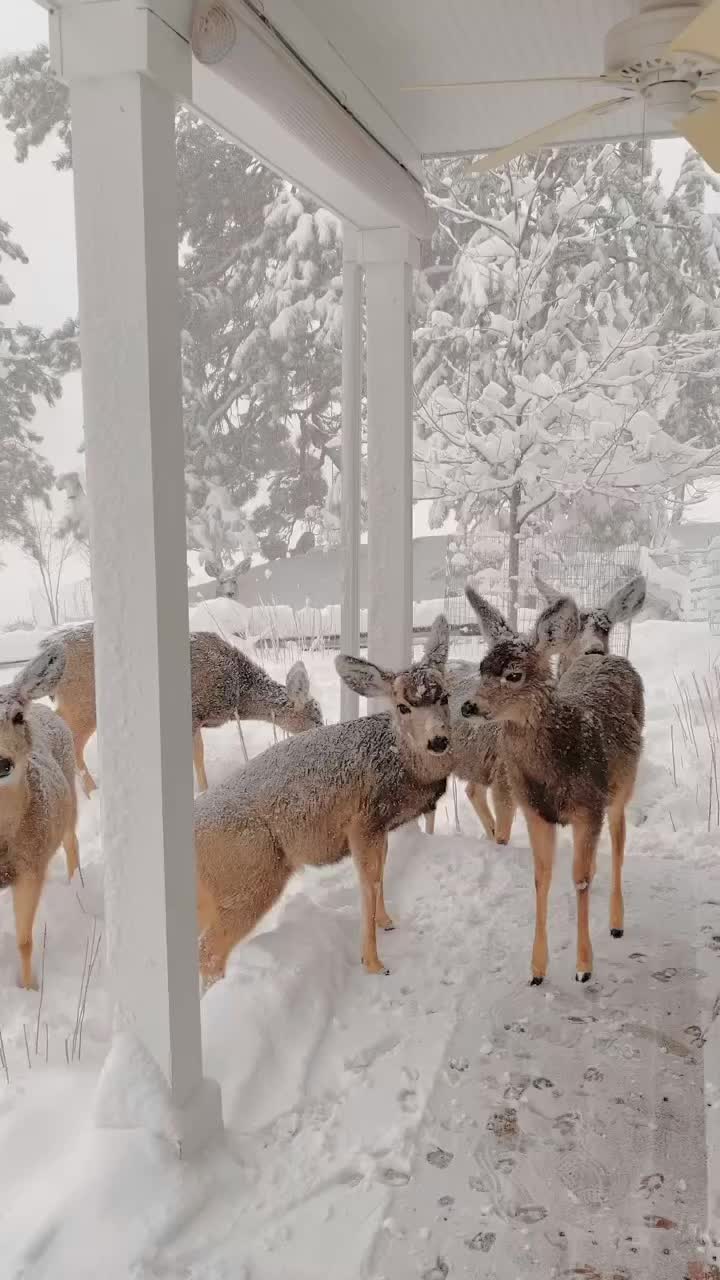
pixel 310 44
pixel 351 461
pixel 262 98
pixel 388 293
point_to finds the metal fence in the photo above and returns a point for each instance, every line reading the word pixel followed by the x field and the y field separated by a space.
pixel 574 564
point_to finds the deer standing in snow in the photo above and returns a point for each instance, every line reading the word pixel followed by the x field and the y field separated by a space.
pixel 571 749
pixel 334 792
pixel 38 806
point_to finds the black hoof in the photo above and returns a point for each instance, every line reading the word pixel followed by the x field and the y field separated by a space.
pixel 616 933
pixel 583 977
pixel 501 841
pixel 536 982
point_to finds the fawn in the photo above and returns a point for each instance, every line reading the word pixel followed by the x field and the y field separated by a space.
pixel 38 806
pixel 571 750
pixel 224 684
pixel 475 741
pixel 312 801
pixel 595 625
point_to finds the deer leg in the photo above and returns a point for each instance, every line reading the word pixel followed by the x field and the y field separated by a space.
pixel 382 919
pixel 367 853
pixel 81 738
pixel 26 895
pixel 430 823
pixel 586 832
pixel 618 827
pixel 72 851
pixel 199 760
pixel 264 875
pixel 477 795
pixel 542 838
pixel 504 807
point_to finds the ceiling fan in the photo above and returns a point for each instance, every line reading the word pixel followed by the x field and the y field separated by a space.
pixel 667 55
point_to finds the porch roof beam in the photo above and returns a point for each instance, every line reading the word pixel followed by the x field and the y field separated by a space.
pixel 258 94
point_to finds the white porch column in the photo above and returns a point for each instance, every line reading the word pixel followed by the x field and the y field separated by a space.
pixel 351 460
pixel 389 257
pixel 125 68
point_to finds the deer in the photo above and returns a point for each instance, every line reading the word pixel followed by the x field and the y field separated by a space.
pixel 225 684
pixel 38 806
pixel 596 624
pixel 571 751
pixel 335 792
pixel 475 741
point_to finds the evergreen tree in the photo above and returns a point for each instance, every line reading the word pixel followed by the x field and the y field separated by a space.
pixel 32 364
pixel 260 285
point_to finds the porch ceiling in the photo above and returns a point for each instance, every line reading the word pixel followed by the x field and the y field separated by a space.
pixel 381 46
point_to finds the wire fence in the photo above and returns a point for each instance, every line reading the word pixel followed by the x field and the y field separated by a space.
pixel 569 563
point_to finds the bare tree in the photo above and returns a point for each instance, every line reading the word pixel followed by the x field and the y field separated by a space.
pixel 48 549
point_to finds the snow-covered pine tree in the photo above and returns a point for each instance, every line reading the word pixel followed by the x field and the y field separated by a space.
pixel 555 347
pixel 260 293
pixel 32 364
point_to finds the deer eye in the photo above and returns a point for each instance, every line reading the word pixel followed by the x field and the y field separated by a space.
pixel 444 700
pixel 513 677
pixel 403 709
pixel 6 767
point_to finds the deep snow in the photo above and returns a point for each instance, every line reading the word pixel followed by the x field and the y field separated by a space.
pixel 444 1121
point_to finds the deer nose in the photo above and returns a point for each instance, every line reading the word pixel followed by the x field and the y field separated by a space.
pixel 469 709
pixel 438 745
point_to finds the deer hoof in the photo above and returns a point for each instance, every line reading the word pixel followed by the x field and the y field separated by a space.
pixel 616 933
pixel 536 982
pixel 582 976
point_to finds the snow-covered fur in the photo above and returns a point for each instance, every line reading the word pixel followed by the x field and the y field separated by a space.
pixel 571 749
pixel 224 684
pixel 596 624
pixel 38 805
pixel 334 792
pixel 475 741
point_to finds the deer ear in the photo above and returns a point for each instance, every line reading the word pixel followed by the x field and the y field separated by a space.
pixel 545 590
pixel 557 625
pixel 297 682
pixel 364 677
pixel 494 626
pixel 627 601
pixel 437 643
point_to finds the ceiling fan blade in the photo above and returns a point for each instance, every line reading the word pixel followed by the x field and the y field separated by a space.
pixel 702 35
pixel 541 137
pixel 702 130
pixel 431 87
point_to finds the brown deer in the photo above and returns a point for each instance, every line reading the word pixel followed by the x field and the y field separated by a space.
pixel 225 684
pixel 475 741
pixel 38 806
pixel 312 801
pixel 571 750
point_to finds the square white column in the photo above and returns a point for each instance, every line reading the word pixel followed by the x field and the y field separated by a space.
pixel 352 371
pixel 389 257
pixel 123 131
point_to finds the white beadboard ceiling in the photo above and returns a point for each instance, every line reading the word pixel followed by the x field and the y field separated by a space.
pixel 365 51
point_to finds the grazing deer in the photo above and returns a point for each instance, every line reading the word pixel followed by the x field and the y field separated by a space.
pixel 314 800
pixel 38 806
pixel 225 684
pixel 571 750
pixel 475 741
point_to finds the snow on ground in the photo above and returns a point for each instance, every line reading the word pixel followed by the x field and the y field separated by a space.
pixel 445 1121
